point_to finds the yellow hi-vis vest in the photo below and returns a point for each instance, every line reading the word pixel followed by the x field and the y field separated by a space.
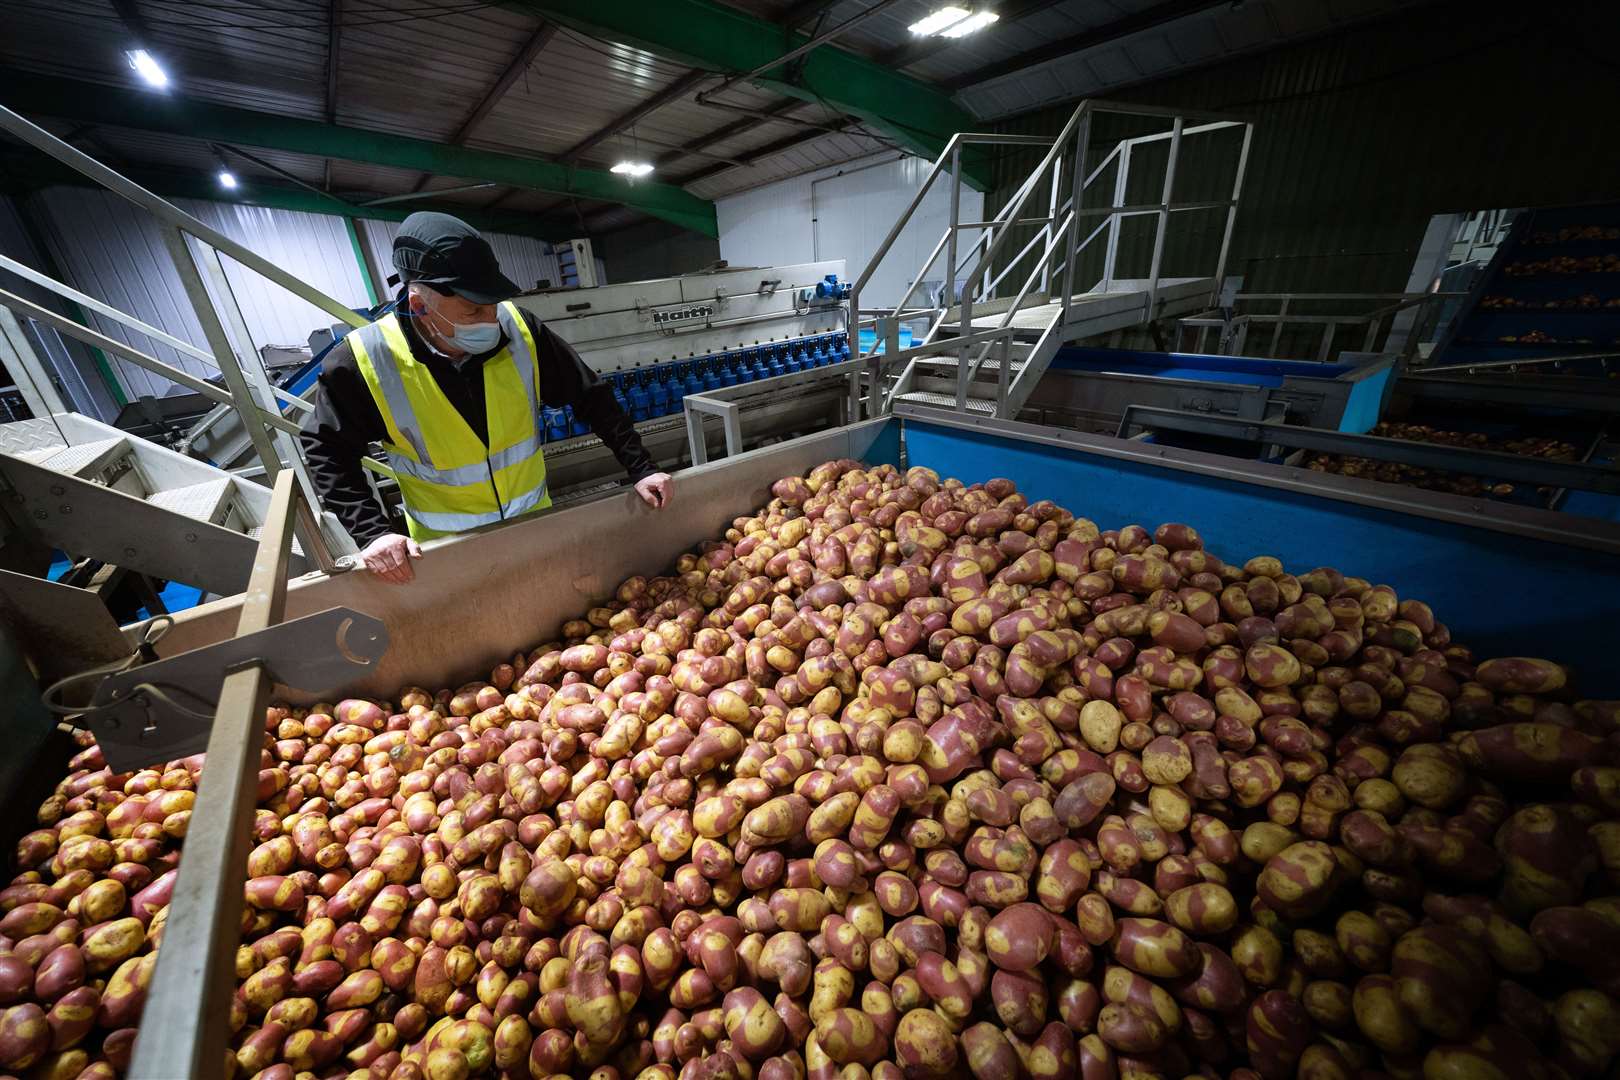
pixel 450 480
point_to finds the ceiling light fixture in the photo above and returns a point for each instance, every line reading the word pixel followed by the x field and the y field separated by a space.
pixel 940 20
pixel 977 21
pixel 147 67
pixel 227 179
pixel 633 168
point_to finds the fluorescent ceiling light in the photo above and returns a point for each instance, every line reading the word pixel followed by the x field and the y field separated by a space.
pixel 939 20
pixel 977 21
pixel 227 180
pixel 147 67
pixel 632 168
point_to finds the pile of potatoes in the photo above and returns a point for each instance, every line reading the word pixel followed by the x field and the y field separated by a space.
pixel 900 778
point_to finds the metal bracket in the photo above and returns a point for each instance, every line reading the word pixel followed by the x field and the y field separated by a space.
pixel 138 722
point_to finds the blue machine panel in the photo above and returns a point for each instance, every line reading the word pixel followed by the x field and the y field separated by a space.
pixel 1500 594
pixel 1361 410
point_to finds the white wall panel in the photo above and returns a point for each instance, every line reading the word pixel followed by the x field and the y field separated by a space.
pixel 114 251
pixel 845 213
pixel 314 247
pixel 79 382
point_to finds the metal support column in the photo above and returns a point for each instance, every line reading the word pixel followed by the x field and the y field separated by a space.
pixel 950 228
pixel 964 302
pixel 1231 211
pixel 1276 333
pixel 1071 254
pixel 184 1025
pixel 33 379
pixel 1051 220
pixel 224 349
pixel 1164 218
pixel 1121 172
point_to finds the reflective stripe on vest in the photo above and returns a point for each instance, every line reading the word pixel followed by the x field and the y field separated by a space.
pixel 451 480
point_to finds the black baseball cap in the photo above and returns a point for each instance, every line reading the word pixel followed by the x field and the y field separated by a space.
pixel 449 254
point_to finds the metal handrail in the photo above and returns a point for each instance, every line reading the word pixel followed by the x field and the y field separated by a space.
pixel 179 376
pixel 167 212
pixel 179 345
pixel 1055 246
pixel 202 274
pixel 1372 318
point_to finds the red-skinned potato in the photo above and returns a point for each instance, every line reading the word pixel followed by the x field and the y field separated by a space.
pixel 897 776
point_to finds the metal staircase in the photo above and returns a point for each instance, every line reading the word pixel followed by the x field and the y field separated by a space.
pixel 996 328
pixel 90 489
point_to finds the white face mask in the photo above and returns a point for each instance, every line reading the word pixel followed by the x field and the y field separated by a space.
pixel 471 338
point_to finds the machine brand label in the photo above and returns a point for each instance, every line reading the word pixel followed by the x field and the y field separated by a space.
pixel 685 314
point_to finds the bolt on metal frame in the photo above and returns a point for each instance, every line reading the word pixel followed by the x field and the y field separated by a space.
pixel 195 247
pixel 1059 240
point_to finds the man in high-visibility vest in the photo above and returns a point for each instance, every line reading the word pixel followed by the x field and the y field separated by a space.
pixel 451 383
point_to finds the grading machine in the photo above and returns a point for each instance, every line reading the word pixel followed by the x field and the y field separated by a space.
pixel 773 340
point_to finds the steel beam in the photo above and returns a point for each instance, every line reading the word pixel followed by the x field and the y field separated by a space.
pixel 514 71
pixel 730 131
pixel 753 157
pixel 23 176
pixel 1146 19
pixel 822 38
pixel 711 35
pixel 176 115
pixel 667 96
pixel 334 43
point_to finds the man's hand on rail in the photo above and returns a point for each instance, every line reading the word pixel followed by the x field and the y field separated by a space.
pixel 656 490
pixel 389 557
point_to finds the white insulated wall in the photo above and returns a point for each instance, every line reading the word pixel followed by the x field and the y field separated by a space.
pixel 77 380
pixel 114 251
pixel 845 212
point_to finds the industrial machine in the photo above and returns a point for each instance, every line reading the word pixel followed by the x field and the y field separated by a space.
pixel 1091 389
pixel 734 332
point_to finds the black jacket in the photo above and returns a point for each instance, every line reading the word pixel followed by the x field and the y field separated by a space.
pixel 345 421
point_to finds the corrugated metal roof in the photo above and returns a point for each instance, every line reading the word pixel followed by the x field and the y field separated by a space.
pixel 423 77
pixel 1217 33
pixel 545 112
pixel 828 150
pixel 421 69
pixel 269 56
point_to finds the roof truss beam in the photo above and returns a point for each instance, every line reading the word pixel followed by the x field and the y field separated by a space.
pixel 1146 19
pixel 514 71
pixel 23 172
pixel 667 96
pixel 708 35
pixel 94 103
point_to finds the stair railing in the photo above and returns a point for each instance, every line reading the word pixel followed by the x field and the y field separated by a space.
pixel 194 247
pixel 1056 246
